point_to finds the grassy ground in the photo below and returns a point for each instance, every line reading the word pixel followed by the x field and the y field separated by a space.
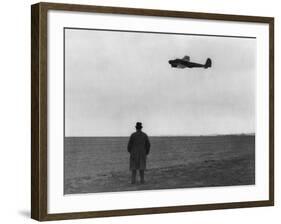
pixel 211 162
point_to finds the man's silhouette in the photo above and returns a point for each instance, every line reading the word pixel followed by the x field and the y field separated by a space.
pixel 138 147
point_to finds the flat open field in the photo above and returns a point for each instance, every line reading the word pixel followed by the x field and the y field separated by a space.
pixel 101 164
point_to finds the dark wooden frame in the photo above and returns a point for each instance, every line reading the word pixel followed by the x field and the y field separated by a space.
pixel 39 110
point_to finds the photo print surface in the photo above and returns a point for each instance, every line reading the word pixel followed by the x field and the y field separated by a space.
pixel 156 111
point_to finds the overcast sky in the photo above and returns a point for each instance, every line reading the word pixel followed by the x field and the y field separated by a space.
pixel 114 79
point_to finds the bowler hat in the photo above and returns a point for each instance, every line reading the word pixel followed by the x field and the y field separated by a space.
pixel 138 125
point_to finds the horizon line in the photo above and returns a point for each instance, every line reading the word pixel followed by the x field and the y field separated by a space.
pixel 208 135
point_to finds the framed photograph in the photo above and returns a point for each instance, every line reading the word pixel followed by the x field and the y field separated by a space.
pixel 141 111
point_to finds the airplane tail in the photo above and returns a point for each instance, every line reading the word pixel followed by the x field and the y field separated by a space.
pixel 208 63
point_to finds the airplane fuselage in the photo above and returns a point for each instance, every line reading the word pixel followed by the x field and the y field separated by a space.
pixel 179 63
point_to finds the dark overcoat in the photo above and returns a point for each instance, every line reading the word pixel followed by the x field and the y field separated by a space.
pixel 138 147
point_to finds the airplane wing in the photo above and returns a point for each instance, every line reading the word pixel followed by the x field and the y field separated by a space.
pixel 186 58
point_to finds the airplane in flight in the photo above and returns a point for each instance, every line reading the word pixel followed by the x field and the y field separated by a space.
pixel 186 63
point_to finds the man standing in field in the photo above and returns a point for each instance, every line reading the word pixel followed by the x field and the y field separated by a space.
pixel 138 147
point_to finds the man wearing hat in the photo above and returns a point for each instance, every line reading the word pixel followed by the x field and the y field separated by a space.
pixel 138 147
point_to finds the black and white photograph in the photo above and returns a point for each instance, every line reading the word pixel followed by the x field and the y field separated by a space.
pixel 154 111
pixel 139 111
